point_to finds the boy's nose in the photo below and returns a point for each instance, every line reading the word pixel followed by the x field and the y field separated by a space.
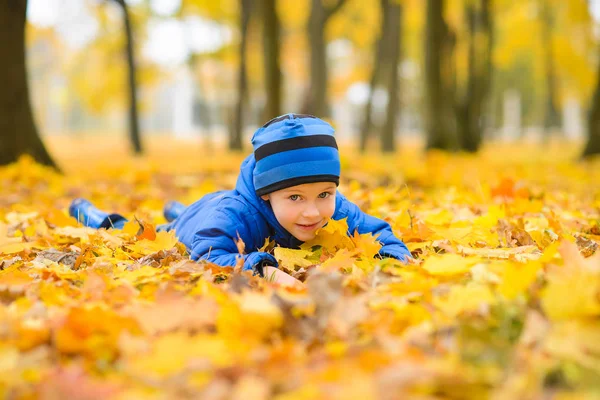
pixel 311 210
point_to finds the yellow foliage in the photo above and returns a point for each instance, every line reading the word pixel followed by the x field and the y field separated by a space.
pixel 332 237
pixel 251 316
pixel 172 353
pixel 367 245
pixel 471 298
pixel 517 278
pixel 571 296
pixel 289 259
pixel 163 241
pixel 11 245
pixel 503 294
pixel 448 264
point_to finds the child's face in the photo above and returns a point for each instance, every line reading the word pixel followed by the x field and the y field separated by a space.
pixel 303 209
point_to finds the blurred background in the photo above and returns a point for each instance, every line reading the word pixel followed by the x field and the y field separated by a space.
pixel 445 74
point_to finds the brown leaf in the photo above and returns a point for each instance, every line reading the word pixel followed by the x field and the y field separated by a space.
pixel 186 267
pixel 7 263
pixel 587 247
pixel 66 258
pixel 512 236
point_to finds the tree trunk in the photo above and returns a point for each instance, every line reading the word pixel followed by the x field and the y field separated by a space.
pixel 592 146
pixel 469 109
pixel 551 115
pixel 439 134
pixel 271 35
pixel 235 138
pixel 392 11
pixel 18 133
pixel 487 26
pixel 316 103
pixel 316 100
pixel 134 127
pixel 367 123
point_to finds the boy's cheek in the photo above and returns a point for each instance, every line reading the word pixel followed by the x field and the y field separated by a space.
pixel 331 210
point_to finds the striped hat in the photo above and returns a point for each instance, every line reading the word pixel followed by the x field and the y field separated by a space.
pixel 294 149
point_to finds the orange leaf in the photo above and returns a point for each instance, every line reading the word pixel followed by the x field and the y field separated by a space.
pixel 146 231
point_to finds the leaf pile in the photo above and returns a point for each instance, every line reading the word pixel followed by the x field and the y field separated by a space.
pixel 502 300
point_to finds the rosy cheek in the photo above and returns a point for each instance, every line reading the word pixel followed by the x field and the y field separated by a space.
pixel 330 210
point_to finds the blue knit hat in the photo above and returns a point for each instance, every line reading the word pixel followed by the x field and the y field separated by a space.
pixel 294 149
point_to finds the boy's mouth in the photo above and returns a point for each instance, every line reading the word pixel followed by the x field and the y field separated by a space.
pixel 308 227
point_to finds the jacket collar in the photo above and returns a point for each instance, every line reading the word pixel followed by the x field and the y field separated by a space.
pixel 245 187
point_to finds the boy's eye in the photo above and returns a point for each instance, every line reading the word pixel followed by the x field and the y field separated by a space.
pixel 294 197
pixel 324 195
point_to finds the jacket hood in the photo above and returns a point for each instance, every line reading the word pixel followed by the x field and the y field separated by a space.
pixel 245 187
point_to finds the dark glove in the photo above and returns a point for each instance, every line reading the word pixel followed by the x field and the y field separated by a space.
pixel 259 268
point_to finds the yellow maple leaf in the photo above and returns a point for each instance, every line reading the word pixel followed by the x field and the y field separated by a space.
pixel 14 280
pixel 490 219
pixel 164 241
pixel 449 264
pixel 464 299
pixel 550 252
pixel 574 290
pixel 441 217
pixel 518 277
pixel 11 245
pixel 367 245
pixel 140 274
pixel 81 232
pixel 572 295
pixel 131 227
pixel 342 260
pixel 172 352
pixel 59 218
pixel 289 259
pixel 331 237
pixel 251 316
pixel 458 234
pixel 268 245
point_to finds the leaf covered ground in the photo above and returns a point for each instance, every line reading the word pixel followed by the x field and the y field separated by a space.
pixel 502 301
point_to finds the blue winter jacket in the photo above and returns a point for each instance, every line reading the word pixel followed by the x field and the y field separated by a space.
pixel 210 226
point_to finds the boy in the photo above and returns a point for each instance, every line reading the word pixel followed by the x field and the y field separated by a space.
pixel 286 191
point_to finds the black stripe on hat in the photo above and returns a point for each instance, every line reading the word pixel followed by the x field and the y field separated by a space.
pixel 288 116
pixel 297 181
pixel 298 142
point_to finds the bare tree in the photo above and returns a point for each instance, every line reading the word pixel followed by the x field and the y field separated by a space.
pixel 438 44
pixel 471 108
pixel 592 146
pixel 551 115
pixel 134 128
pixel 385 71
pixel 18 132
pixel 235 136
pixel 316 100
pixel 271 44
pixel 392 11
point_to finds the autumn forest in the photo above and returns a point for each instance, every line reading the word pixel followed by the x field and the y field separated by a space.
pixel 469 128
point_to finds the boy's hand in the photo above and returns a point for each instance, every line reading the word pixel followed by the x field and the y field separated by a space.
pixel 273 274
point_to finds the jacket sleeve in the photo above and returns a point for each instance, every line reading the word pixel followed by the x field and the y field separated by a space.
pixel 215 241
pixel 392 247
